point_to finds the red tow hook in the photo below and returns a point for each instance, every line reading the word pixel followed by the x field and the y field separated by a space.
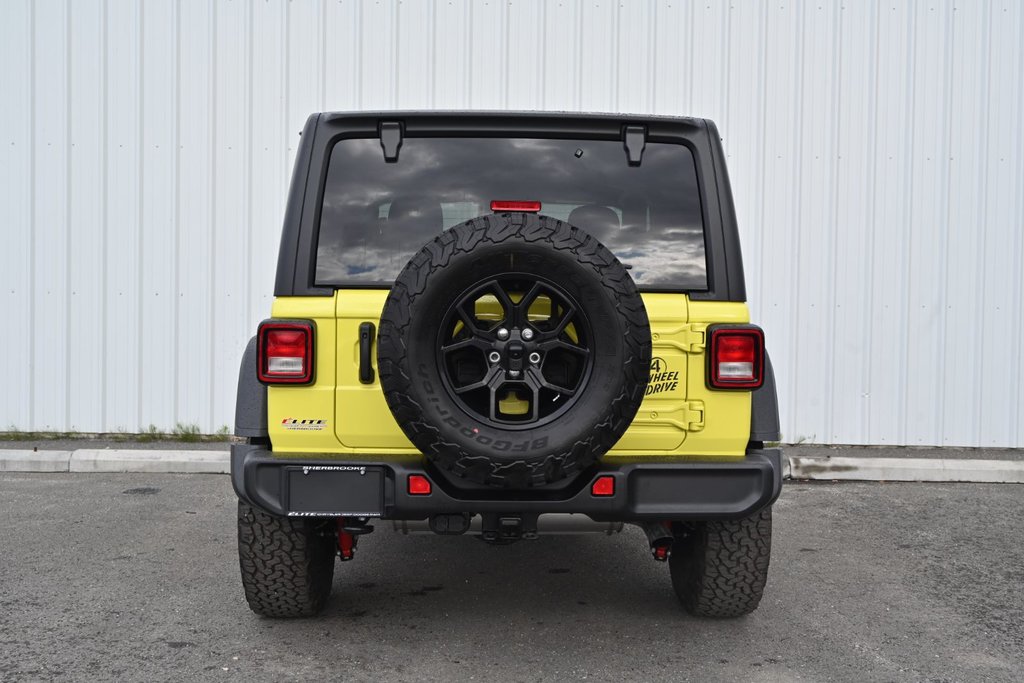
pixel 349 531
pixel 660 539
pixel 346 542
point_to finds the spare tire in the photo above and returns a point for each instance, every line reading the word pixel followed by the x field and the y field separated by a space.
pixel 514 350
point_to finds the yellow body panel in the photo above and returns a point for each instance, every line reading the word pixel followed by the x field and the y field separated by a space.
pixel 311 407
pixel 365 421
pixel 679 416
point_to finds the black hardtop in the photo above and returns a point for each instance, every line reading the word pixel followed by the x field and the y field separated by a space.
pixel 297 255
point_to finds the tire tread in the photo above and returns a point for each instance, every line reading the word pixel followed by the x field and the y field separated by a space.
pixel 720 570
pixel 287 564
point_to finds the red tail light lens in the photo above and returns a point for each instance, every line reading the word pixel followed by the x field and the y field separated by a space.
pixel 285 352
pixel 736 358
pixel 514 205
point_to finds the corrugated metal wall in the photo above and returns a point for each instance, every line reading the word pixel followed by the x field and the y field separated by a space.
pixel 876 151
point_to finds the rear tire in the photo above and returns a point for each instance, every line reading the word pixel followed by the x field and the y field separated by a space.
pixel 287 564
pixel 719 568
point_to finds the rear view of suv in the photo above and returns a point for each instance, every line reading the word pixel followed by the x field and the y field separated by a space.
pixel 507 325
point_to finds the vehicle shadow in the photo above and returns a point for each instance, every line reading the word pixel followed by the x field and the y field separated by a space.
pixel 463 576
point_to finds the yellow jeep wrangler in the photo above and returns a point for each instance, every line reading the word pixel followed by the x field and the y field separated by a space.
pixel 507 325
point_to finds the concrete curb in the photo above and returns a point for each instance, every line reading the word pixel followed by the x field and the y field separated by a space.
pixel 116 460
pixel 34 461
pixel 128 460
pixel 811 468
pixel 906 469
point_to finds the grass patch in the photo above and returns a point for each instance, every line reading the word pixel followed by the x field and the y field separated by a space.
pixel 15 434
pixel 181 432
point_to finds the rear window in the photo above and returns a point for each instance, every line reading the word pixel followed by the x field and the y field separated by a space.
pixel 376 215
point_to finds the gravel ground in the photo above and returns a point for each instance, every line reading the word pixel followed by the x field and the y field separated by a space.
pixel 134 577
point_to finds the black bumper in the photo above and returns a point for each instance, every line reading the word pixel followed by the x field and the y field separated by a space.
pixel 335 486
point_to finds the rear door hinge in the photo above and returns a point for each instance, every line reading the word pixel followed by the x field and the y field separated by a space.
pixel 693 415
pixel 692 338
pixel 688 337
pixel 687 416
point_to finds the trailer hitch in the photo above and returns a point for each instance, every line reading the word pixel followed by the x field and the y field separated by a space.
pixel 349 531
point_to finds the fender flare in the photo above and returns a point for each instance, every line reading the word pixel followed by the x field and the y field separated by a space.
pixel 764 408
pixel 251 399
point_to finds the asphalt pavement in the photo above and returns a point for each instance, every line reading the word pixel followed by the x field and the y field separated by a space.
pixel 134 577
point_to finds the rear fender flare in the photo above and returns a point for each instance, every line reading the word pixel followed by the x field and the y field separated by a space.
pixel 251 399
pixel 764 409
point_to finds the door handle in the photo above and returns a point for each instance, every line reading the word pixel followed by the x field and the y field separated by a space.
pixel 366 335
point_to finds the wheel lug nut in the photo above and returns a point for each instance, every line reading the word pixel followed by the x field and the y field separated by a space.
pixel 494 356
pixel 527 334
pixel 534 357
pixel 502 333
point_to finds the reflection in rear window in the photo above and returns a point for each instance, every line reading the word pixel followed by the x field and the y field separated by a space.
pixel 377 215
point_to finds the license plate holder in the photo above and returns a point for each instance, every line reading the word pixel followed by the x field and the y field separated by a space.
pixel 334 491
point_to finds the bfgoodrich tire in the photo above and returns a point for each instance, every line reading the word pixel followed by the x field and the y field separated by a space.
pixel 462 323
pixel 287 564
pixel 719 568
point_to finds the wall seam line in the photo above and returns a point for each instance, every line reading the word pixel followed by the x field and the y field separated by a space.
pixel 836 167
pixel 33 132
pixel 176 258
pixel 140 211
pixel 68 196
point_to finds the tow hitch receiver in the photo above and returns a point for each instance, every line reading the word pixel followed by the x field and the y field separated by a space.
pixel 497 528
pixel 349 531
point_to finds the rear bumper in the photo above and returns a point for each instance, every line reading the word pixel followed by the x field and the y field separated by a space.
pixel 306 485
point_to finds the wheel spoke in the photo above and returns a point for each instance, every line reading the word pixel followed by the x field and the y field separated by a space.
pixel 537 381
pixel 467 320
pixel 549 345
pixel 494 372
pixel 534 381
pixel 521 316
pixel 570 311
pixel 503 298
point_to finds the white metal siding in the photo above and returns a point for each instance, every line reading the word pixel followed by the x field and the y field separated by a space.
pixel 876 152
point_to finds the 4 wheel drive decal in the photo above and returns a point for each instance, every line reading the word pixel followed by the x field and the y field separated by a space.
pixel 296 424
pixel 662 379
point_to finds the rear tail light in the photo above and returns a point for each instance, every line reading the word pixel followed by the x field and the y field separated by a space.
pixel 736 357
pixel 514 205
pixel 285 352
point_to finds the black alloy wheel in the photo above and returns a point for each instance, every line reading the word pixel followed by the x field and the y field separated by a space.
pixel 515 351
